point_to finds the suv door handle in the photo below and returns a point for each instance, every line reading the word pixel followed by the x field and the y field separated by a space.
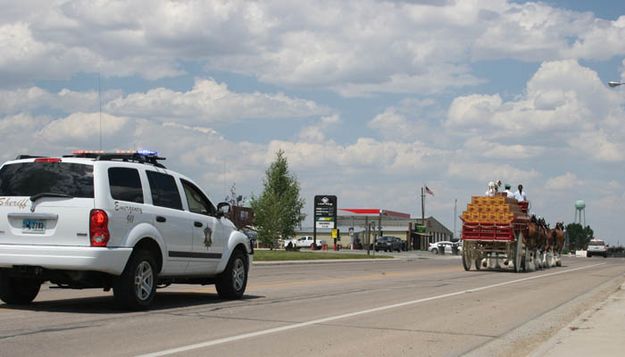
pixel 161 219
pixel 198 224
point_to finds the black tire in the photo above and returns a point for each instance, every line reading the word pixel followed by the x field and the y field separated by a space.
pixel 435 251
pixel 478 264
pixel 518 253
pixel 136 287
pixel 376 250
pixel 18 291
pixel 231 283
pixel 466 263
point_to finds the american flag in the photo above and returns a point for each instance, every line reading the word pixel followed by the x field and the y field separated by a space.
pixel 427 190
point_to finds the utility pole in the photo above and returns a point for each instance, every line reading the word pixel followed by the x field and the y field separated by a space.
pixel 455 215
pixel 423 212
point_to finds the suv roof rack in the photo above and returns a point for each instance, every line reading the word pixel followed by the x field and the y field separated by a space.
pixel 141 156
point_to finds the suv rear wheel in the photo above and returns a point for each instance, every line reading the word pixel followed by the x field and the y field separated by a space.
pixel 18 291
pixel 232 282
pixel 136 287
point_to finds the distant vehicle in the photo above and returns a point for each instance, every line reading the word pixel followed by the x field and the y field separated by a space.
pixel 302 242
pixel 449 245
pixel 597 247
pixel 388 244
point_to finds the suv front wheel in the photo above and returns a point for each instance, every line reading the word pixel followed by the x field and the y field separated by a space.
pixel 136 287
pixel 232 282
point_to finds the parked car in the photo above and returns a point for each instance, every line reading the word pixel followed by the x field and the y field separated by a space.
pixel 449 247
pixel 118 221
pixel 302 242
pixel 388 244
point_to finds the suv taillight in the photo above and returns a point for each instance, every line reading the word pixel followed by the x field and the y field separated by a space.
pixel 99 228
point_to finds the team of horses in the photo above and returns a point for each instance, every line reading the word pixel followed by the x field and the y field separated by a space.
pixel 544 245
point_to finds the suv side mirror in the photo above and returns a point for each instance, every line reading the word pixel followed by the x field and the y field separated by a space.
pixel 223 208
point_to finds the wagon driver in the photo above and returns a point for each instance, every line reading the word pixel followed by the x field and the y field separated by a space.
pixel 520 195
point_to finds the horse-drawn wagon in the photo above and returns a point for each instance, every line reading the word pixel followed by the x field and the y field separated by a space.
pixel 493 232
pixel 497 232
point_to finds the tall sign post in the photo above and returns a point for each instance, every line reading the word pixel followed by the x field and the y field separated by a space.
pixel 324 214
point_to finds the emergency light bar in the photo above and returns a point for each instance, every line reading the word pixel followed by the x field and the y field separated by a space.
pixel 142 156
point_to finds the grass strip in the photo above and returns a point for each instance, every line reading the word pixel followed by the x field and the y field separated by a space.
pixel 280 255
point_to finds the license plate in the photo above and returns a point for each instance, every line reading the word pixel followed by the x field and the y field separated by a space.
pixel 34 226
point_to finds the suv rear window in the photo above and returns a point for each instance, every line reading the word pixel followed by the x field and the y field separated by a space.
pixel 125 184
pixel 31 178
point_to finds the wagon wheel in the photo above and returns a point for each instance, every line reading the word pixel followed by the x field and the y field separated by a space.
pixel 518 252
pixel 466 261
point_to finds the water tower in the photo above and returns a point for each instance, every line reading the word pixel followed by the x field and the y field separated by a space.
pixel 579 211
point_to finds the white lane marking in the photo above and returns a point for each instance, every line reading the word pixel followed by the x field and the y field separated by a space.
pixel 351 314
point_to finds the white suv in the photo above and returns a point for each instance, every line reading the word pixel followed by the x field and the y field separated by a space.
pixel 113 220
pixel 597 247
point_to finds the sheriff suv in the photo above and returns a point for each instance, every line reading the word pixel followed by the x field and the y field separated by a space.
pixel 118 221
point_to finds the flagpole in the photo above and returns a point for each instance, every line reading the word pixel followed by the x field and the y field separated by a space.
pixel 422 206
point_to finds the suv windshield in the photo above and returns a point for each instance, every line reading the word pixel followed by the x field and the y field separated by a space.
pixel 31 178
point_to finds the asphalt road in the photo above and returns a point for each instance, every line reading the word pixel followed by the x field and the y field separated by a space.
pixel 374 308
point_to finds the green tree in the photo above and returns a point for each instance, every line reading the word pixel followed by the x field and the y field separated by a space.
pixel 278 210
pixel 579 236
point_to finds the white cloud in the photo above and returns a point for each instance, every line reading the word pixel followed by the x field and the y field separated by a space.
pixel 599 145
pixel 565 104
pixel 210 102
pixel 568 181
pixel 35 98
pixel 362 156
pixel 354 47
pixel 484 148
pixel 486 172
pixel 316 133
pixel 17 136
pixel 80 129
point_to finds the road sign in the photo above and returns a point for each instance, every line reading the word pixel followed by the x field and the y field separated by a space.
pixel 325 211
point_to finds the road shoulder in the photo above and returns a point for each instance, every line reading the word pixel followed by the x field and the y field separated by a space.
pixel 598 331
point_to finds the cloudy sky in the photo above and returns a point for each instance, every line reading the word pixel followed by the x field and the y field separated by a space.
pixel 370 100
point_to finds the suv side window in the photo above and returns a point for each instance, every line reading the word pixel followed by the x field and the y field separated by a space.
pixel 198 203
pixel 125 184
pixel 164 190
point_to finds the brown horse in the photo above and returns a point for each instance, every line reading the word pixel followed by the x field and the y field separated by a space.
pixel 558 235
pixel 536 234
